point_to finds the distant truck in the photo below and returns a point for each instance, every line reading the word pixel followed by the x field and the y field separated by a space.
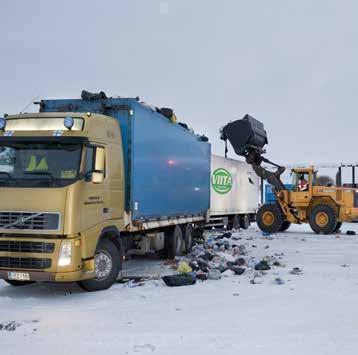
pixel 234 193
pixel 86 181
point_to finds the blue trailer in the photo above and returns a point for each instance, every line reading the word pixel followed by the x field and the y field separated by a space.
pixel 167 167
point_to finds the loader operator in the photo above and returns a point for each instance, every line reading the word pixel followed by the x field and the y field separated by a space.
pixel 302 184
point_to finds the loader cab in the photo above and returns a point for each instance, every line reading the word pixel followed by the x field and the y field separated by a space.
pixel 302 181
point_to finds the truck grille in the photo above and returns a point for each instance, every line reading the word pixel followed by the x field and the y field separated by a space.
pixel 29 220
pixel 24 263
pixel 26 247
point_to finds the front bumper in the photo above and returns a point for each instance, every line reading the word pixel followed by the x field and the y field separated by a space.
pixel 21 254
pixel 50 276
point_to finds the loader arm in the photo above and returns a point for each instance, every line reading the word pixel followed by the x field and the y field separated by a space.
pixel 248 137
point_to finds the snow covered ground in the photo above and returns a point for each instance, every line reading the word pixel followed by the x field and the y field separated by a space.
pixel 312 313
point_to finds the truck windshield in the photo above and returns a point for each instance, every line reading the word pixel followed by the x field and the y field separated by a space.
pixel 39 164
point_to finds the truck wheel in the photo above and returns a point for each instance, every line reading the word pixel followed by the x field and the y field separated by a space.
pixel 285 226
pixel 235 223
pixel 245 221
pixel 188 237
pixel 323 219
pixel 270 218
pixel 108 263
pixel 174 242
pixel 19 283
pixel 338 226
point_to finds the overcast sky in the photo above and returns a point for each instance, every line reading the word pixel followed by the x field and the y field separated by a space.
pixel 291 64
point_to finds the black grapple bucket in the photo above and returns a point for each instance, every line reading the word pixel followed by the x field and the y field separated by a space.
pixel 245 135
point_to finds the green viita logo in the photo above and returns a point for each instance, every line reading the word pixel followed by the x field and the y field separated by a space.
pixel 221 181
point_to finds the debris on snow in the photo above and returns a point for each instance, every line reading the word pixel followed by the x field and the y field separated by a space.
pixel 263 265
pixel 296 271
pixel 278 281
pixel 214 274
pixel 180 279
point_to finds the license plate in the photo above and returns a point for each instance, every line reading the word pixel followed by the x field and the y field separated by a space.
pixel 19 276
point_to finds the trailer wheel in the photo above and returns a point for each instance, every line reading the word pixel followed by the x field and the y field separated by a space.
pixel 285 226
pixel 323 219
pixel 235 222
pixel 173 242
pixel 19 283
pixel 188 237
pixel 270 218
pixel 108 263
pixel 245 221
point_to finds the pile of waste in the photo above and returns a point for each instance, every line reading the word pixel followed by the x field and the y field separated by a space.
pixel 220 255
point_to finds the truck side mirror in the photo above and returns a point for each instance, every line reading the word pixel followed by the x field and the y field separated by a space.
pixel 98 173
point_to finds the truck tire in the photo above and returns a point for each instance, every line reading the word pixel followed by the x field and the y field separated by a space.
pixel 173 242
pixel 245 221
pixel 285 226
pixel 19 283
pixel 338 227
pixel 235 222
pixel 270 218
pixel 188 237
pixel 108 264
pixel 323 219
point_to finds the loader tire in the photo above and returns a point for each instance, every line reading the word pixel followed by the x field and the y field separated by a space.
pixel 108 264
pixel 285 226
pixel 173 242
pixel 270 218
pixel 323 219
pixel 338 227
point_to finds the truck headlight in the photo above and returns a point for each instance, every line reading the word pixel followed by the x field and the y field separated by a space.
pixel 65 254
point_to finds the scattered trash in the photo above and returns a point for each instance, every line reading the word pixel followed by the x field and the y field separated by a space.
pixel 296 271
pixel 278 281
pixel 214 275
pixel 262 266
pixel 180 279
pixel 184 267
pixel 238 270
pixel 201 276
pixel 351 233
pixel 344 265
pixel 9 326
pixel 134 283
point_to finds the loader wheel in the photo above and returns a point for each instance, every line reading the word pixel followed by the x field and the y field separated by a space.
pixel 323 219
pixel 108 263
pixel 173 242
pixel 270 218
pixel 245 221
pixel 188 237
pixel 285 226
pixel 338 226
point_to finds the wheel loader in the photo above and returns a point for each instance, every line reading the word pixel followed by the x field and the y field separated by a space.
pixel 325 208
